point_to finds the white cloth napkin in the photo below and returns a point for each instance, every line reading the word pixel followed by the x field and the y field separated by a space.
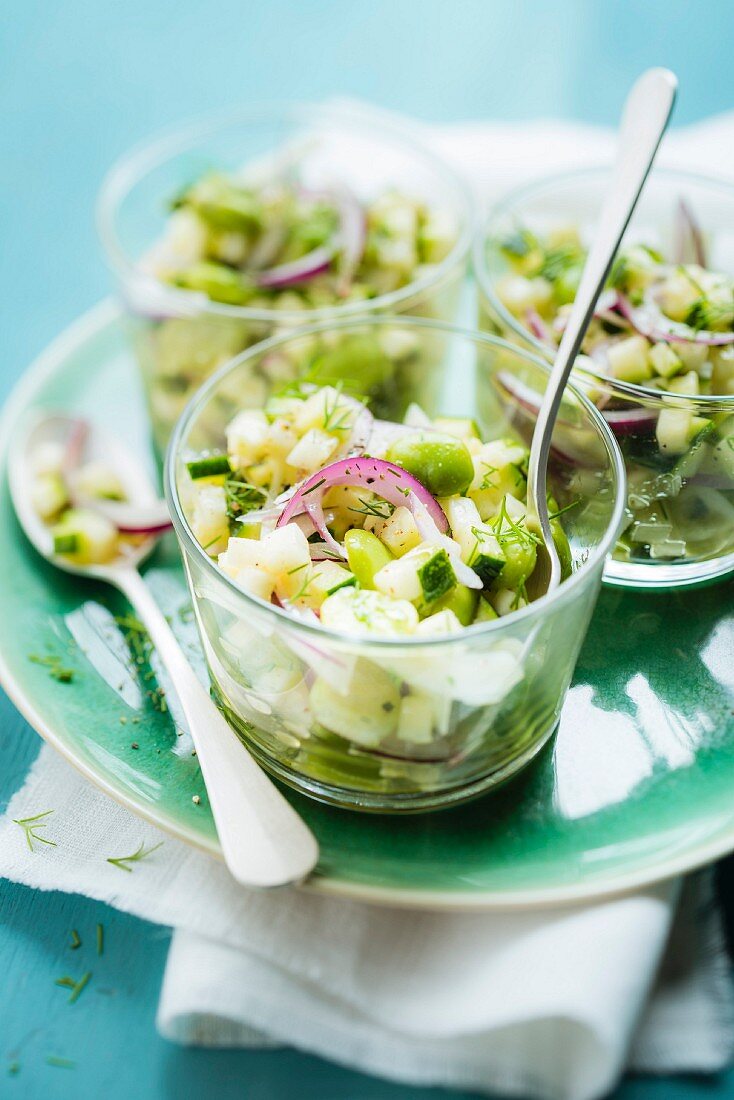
pixel 551 1005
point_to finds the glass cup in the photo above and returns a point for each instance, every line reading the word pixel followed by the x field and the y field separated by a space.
pixel 678 450
pixel 180 337
pixel 321 710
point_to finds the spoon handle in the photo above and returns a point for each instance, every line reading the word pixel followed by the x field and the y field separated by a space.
pixel 646 113
pixel 264 841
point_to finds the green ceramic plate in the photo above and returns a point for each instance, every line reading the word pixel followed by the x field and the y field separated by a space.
pixel 637 785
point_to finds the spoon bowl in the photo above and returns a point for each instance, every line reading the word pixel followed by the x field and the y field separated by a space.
pixel 264 841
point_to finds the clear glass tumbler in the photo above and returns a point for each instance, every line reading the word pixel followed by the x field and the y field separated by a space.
pixel 180 337
pixel 679 526
pixel 320 709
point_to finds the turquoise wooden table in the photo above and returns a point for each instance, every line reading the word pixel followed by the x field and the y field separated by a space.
pixel 80 82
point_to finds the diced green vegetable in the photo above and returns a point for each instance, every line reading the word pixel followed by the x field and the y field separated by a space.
pixel 440 462
pixel 366 555
pixel 211 466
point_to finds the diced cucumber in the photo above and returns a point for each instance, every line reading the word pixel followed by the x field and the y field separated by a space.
pixel 461 427
pixel 479 546
pixel 415 722
pixel 462 601
pixel 218 281
pixel 211 466
pixel 366 555
pixel 628 361
pixel 485 612
pixel 399 533
pixel 364 612
pixel 677 429
pixel 366 712
pixel 664 360
pixel 90 537
pixel 424 573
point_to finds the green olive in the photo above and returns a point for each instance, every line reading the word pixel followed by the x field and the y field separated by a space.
pixel 440 462
pixel 366 555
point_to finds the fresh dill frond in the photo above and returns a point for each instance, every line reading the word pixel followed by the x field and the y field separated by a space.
pixel 136 857
pixel 31 825
pixel 56 669
pixel 75 940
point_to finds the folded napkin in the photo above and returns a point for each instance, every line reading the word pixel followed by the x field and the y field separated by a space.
pixel 550 1005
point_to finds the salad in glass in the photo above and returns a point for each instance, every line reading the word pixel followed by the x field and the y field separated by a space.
pixel 371 593
pixel 228 231
pixel 658 358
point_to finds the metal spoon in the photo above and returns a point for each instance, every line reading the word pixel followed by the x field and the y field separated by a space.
pixel 264 841
pixel 645 117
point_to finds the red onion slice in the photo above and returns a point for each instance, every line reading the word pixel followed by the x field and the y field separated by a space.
pixel 537 326
pixel 297 271
pixel 131 519
pixel 650 321
pixel 385 479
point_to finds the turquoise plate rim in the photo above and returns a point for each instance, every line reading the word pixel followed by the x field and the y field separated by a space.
pixel 618 882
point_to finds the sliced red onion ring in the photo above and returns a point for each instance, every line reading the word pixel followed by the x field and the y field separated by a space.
pixel 538 327
pixel 689 243
pixel 650 321
pixel 633 421
pixel 385 479
pixel 297 271
pixel 131 519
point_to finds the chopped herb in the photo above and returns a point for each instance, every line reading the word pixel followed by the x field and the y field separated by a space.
pixel 56 670
pixel 518 244
pixel 381 509
pixel 487 482
pixel 100 939
pixel 14 1069
pixel 562 511
pixel 136 857
pixel 240 496
pixel 31 825
pixel 76 987
pixel 136 636
pixel 314 487
pixel 336 418
pixel 60 1063
pixel 75 940
pixel 211 542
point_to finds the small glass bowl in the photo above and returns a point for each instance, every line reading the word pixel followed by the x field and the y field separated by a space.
pixel 319 709
pixel 180 338
pixel 680 507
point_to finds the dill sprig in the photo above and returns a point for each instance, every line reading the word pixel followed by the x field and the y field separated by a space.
pixel 515 532
pixel 337 418
pixel 240 496
pixel 31 825
pixel 381 509
pixel 76 987
pixel 59 1063
pixel 567 508
pixel 75 940
pixel 141 853
pixel 100 939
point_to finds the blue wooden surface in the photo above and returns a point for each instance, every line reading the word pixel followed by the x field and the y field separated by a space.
pixel 79 82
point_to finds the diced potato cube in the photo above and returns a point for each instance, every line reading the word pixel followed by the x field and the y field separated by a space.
pixel 247 437
pixel 399 533
pixel 443 622
pixel 312 451
pixel 209 520
pixel 664 360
